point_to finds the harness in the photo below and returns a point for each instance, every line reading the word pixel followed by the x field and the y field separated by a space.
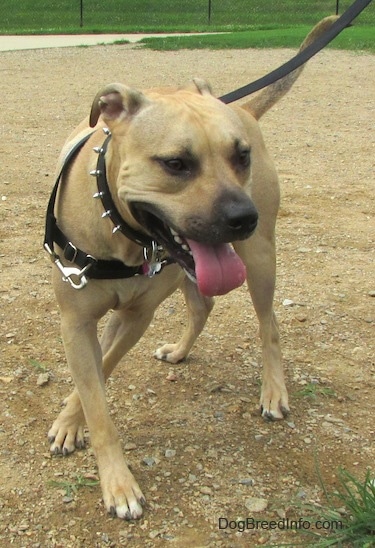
pixel 87 265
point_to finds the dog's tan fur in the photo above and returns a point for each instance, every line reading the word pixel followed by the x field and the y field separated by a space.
pixel 162 123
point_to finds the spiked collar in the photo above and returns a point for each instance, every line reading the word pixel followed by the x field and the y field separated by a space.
pixel 87 265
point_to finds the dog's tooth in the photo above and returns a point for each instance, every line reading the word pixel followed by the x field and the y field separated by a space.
pixel 178 239
pixel 185 247
pixel 173 232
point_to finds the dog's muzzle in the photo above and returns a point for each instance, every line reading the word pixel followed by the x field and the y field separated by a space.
pixel 201 245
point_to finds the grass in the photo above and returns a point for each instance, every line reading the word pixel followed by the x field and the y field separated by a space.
pixel 64 16
pixel 353 38
pixel 71 488
pixel 38 365
pixel 352 507
pixel 313 390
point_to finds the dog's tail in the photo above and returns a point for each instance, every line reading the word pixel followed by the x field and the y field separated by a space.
pixel 262 102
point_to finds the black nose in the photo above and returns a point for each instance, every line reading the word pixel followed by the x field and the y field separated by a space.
pixel 238 216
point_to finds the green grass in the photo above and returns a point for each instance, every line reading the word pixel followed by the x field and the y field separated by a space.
pixel 353 38
pixel 313 391
pixel 63 16
pixel 71 488
pixel 353 507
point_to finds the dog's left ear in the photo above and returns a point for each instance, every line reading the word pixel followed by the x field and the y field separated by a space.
pixel 114 101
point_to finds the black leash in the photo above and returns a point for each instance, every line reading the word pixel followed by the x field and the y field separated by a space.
pixel 346 18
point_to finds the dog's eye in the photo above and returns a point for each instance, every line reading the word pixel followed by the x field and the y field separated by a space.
pixel 243 158
pixel 175 165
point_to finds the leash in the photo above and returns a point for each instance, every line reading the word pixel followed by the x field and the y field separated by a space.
pixel 346 18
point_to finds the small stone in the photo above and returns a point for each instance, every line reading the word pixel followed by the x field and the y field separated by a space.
pixel 172 377
pixel 169 453
pixel 206 490
pixel 246 481
pixel 43 379
pixel 254 504
pixel 288 302
pixel 149 461
pixel 303 250
pixel 130 447
pixel 371 293
pixel 307 440
pixel 67 500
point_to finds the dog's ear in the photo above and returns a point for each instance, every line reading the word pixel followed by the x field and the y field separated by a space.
pixel 202 86
pixel 114 101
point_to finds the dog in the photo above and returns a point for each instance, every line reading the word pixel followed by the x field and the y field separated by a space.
pixel 158 190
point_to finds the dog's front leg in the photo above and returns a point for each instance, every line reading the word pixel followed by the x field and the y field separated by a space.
pixel 198 310
pixel 258 254
pixel 121 493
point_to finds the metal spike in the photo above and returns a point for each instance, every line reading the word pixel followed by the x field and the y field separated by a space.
pixel 98 194
pixel 116 229
pixel 106 131
pixel 95 172
pixel 98 150
pixel 106 214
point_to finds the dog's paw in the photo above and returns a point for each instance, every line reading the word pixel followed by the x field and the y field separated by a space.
pixel 170 353
pixel 65 439
pixel 274 403
pixel 67 432
pixel 121 494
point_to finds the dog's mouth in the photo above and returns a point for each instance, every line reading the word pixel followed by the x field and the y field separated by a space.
pixel 216 269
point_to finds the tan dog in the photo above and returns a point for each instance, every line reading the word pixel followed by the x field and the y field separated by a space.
pixel 187 174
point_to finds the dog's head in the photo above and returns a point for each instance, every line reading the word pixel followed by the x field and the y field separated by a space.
pixel 180 163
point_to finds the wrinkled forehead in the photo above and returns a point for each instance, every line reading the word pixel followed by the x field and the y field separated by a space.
pixel 188 120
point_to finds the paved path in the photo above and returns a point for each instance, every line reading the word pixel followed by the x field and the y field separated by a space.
pixel 8 43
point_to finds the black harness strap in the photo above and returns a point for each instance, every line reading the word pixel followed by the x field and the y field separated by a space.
pixel 346 18
pixel 92 268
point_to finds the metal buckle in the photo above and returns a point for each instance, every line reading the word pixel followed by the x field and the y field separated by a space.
pixel 70 252
pixel 153 258
pixel 69 273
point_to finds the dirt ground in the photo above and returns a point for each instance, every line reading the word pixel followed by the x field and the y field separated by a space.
pixel 197 445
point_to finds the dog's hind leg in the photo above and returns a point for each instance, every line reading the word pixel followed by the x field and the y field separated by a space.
pixel 198 310
pixel 258 254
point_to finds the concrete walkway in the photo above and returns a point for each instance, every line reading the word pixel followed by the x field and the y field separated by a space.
pixel 10 43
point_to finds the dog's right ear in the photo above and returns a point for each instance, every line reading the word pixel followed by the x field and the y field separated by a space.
pixel 116 101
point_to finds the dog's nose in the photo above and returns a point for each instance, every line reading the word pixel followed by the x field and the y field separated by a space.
pixel 239 216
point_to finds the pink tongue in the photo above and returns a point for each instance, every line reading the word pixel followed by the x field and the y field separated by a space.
pixel 218 268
